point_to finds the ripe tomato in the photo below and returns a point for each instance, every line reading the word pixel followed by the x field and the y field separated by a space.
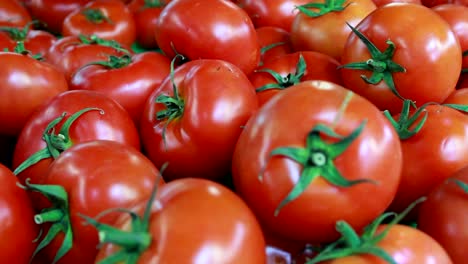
pixel 274 13
pixel 53 12
pixel 443 216
pixel 13 14
pixel 404 62
pixel 196 127
pixel 290 69
pixel 194 221
pixel 35 41
pixel 114 123
pixel 302 194
pixel 107 19
pixel 96 176
pixel 229 36
pixel 273 41
pixel 27 84
pixel 129 80
pixel 325 30
pixel 459 96
pixel 17 221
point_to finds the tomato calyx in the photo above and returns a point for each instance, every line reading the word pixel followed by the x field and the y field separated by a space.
pixel 174 105
pixel 95 16
pixel 93 39
pixel 351 243
pixel 113 62
pixel 326 7
pixel 154 3
pixel 21 49
pixel 55 143
pixel 317 160
pixel 380 63
pixel 58 215
pixel 19 34
pixel 286 81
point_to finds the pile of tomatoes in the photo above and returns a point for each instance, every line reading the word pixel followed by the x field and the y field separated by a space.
pixel 247 131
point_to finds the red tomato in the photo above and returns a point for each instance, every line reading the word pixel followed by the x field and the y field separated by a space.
pixel 114 123
pixel 97 176
pixel 53 12
pixel 443 216
pixel 71 53
pixel 185 28
pixel 107 19
pixel 325 30
pixel 419 69
pixel 290 69
pixel 196 130
pixel 35 41
pixel 300 196
pixel 274 41
pixel 26 85
pixel 197 221
pixel 146 14
pixel 459 96
pixel 17 221
pixel 275 13
pixel 128 79
pixel 13 14
pixel 433 154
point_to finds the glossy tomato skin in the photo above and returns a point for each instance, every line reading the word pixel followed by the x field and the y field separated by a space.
pixel 229 36
pixel 432 155
pixel 285 121
pixel 273 35
pixel 120 27
pixel 380 3
pixel 53 12
pixel 319 67
pixel 26 85
pixel 275 13
pixel 13 14
pixel 17 221
pixel 443 216
pixel 195 220
pixel 406 245
pixel 219 99
pixel 114 124
pixel 98 175
pixel 328 33
pixel 130 85
pixel 431 72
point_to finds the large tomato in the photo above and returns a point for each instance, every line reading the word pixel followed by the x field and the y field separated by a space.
pixel 400 61
pixel 129 80
pixel 13 14
pixel 17 229
pixel 107 19
pixel 443 215
pixel 190 221
pixel 195 126
pixel 321 25
pixel 96 176
pixel 35 41
pixel 27 84
pixel 313 155
pixel 186 27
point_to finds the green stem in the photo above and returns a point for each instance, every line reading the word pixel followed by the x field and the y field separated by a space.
pixel 129 240
pixel 320 9
pixel 95 16
pixel 154 4
pixel 54 215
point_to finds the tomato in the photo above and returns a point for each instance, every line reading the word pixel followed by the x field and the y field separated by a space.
pixel 13 14
pixel 300 195
pixel 196 128
pixel 127 79
pixel 194 221
pixel 325 30
pixel 35 41
pixel 71 53
pixel 274 13
pixel 27 83
pixel 289 69
pixel 53 12
pixel 94 182
pixel 17 221
pixel 443 215
pixel 432 154
pixel 146 14
pixel 459 96
pixel 229 36
pixel 107 19
pixel 405 62
pixel 112 123
pixel 274 41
